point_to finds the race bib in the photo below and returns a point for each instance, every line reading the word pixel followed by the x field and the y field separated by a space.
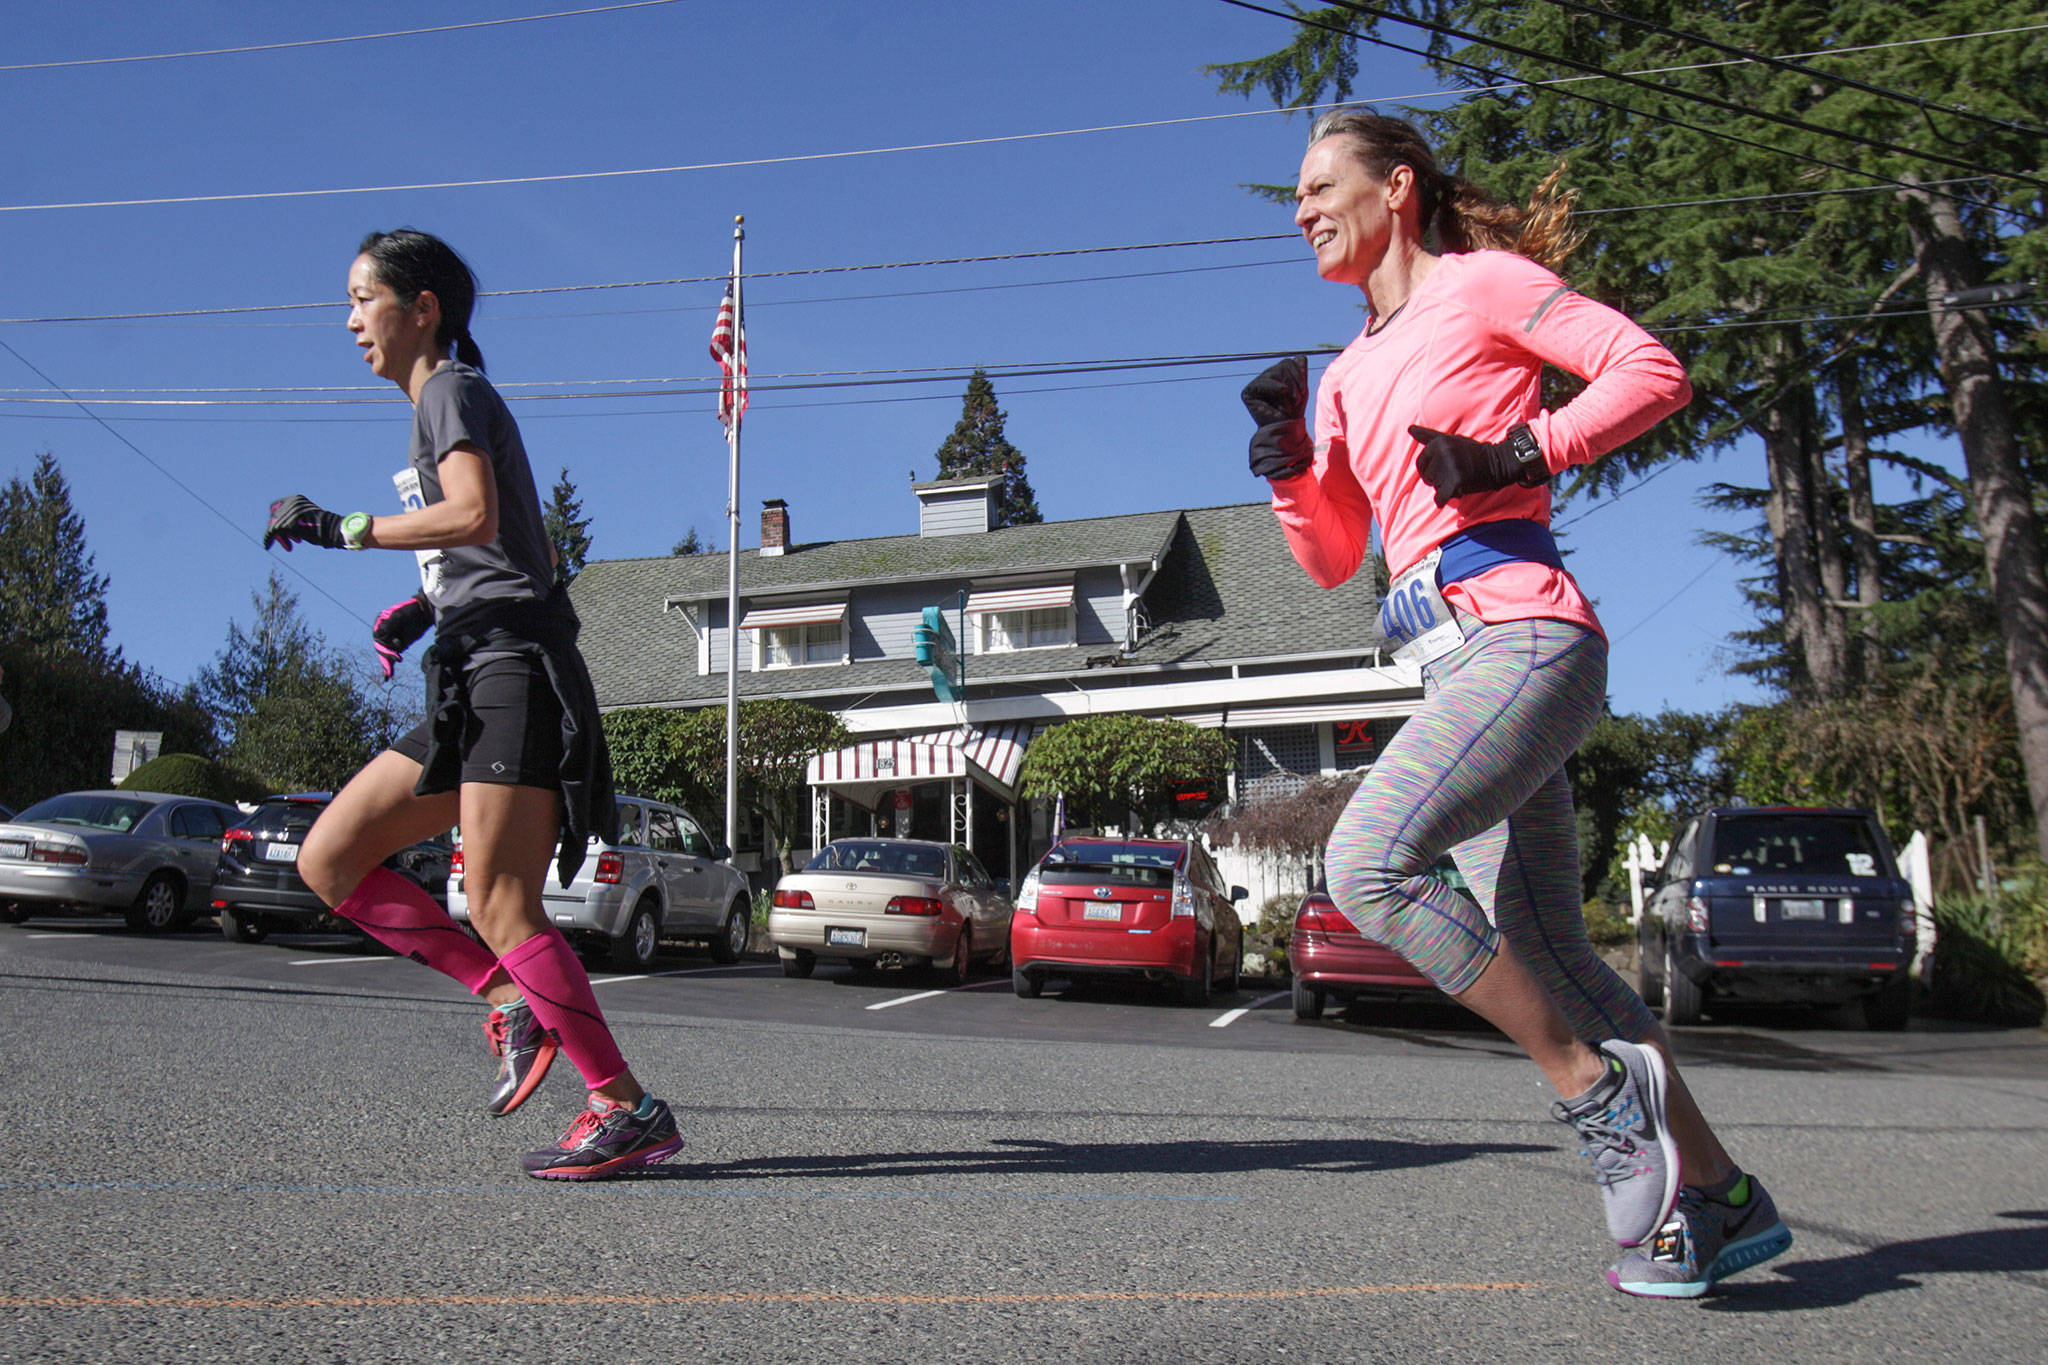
pixel 411 499
pixel 1415 618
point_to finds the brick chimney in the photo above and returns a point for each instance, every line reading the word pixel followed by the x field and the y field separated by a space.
pixel 774 527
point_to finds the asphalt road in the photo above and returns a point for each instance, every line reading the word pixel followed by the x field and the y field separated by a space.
pixel 277 1152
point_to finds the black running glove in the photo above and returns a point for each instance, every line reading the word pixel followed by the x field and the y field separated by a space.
pixel 397 628
pixel 299 519
pixel 1457 465
pixel 1280 448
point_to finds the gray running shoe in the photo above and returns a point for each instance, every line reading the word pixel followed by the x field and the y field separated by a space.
pixel 1623 1131
pixel 526 1051
pixel 606 1139
pixel 1704 1241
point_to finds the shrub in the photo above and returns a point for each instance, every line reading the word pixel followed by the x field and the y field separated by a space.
pixel 1607 926
pixel 191 775
pixel 1978 971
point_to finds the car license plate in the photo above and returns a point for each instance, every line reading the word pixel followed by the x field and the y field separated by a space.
pixel 13 848
pixel 1112 911
pixel 1802 909
pixel 847 938
pixel 281 853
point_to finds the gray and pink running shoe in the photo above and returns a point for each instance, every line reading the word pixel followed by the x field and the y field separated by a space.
pixel 525 1051
pixel 607 1139
pixel 1623 1132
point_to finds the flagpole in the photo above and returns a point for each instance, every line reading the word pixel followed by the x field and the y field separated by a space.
pixel 732 553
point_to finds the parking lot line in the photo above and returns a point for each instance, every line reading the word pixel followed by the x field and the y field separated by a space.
pixel 1229 1017
pixel 680 971
pixel 904 999
pixel 336 961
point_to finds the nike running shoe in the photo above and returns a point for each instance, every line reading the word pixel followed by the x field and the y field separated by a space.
pixel 526 1051
pixel 608 1138
pixel 1623 1132
pixel 1705 1240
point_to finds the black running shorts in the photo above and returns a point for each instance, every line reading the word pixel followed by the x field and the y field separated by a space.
pixel 512 733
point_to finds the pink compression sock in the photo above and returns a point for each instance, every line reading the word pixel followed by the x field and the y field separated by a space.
pixel 557 988
pixel 405 919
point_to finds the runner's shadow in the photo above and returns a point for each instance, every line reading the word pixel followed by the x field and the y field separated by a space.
pixel 1883 1269
pixel 1027 1156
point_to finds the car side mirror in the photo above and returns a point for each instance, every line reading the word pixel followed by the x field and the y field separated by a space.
pixel 1238 893
pixel 1003 888
pixel 719 853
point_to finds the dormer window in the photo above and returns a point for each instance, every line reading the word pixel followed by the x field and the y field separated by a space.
pixel 797 637
pixel 1022 618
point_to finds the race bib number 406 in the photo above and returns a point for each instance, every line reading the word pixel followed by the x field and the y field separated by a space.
pixel 1414 616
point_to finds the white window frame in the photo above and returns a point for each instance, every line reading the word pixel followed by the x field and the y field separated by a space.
pixel 809 638
pixel 1018 624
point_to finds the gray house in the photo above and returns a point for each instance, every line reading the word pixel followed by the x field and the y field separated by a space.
pixel 1201 615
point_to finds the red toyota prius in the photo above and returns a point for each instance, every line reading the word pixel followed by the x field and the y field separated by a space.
pixel 1150 908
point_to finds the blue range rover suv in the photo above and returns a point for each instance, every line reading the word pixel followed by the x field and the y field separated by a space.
pixel 1780 904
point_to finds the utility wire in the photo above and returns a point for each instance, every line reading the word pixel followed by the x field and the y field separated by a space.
pixel 327 42
pixel 1629 111
pixel 1798 68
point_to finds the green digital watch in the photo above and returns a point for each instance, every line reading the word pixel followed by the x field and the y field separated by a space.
pixel 354 527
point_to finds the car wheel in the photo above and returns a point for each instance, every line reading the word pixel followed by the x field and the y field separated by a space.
pixel 1648 984
pixel 1233 983
pixel 1308 1001
pixel 633 951
pixel 239 926
pixel 1029 985
pixel 1195 990
pixel 803 964
pixel 156 909
pixel 1686 1002
pixel 962 968
pixel 732 936
pixel 1888 1010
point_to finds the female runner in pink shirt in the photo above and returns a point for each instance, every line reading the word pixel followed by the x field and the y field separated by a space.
pixel 1431 423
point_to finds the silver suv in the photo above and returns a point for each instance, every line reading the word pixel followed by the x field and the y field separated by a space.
pixel 664 879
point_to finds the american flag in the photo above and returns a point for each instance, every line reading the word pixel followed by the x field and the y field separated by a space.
pixel 732 389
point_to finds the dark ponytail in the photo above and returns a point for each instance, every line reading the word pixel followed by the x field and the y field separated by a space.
pixel 414 262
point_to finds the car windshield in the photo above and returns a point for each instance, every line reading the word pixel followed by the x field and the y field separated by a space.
pixel 1827 845
pixel 879 855
pixel 118 814
pixel 284 821
pixel 1151 865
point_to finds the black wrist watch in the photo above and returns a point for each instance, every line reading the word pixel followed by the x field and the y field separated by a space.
pixel 1528 454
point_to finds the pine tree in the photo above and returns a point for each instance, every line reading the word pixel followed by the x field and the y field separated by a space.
pixel 51 602
pixel 693 544
pixel 978 448
pixel 568 530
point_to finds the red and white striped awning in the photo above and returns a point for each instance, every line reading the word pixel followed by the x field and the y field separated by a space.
pixel 816 613
pixel 1021 599
pixel 992 755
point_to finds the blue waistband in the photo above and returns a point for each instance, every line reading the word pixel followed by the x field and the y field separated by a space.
pixel 1492 544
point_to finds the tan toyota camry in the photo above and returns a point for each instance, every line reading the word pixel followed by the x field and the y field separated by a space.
pixel 881 903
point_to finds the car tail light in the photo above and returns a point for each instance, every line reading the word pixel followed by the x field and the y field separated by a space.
pixel 1027 895
pixel 234 837
pixel 58 853
pixel 611 868
pixel 1909 918
pixel 1183 898
pixel 914 905
pixel 1696 914
pixel 795 900
pixel 455 863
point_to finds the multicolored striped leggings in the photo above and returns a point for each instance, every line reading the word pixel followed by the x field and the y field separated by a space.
pixel 1478 772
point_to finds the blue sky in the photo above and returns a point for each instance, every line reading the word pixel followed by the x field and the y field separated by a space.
pixel 273 402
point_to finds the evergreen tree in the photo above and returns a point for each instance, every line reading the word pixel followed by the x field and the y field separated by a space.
pixel 568 530
pixel 693 544
pixel 978 448
pixel 51 601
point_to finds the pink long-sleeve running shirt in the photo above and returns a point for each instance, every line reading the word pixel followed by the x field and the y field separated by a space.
pixel 1465 354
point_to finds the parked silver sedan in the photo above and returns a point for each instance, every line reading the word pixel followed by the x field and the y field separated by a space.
pixel 146 855
pixel 890 903
pixel 664 879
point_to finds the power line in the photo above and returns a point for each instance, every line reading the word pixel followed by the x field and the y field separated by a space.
pixel 1797 68
pixel 1560 87
pixel 327 42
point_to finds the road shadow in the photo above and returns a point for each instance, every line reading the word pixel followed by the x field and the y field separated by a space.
pixel 1803 1285
pixel 1038 1157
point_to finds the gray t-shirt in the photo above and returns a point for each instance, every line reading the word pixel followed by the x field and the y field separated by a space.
pixel 458 405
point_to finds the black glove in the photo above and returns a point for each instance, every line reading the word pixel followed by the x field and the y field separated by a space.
pixel 298 518
pixel 398 627
pixel 1456 465
pixel 1280 448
